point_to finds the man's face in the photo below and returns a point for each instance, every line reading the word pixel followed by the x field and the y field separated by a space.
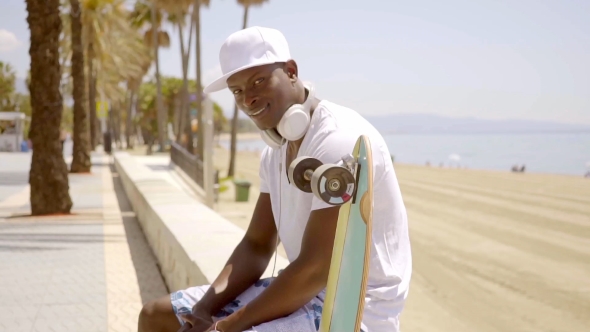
pixel 265 92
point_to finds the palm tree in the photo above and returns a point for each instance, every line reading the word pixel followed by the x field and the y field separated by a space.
pixel 178 18
pixel 174 7
pixel 133 84
pixel 177 11
pixel 155 42
pixel 81 151
pixel 90 38
pixel 199 93
pixel 113 52
pixel 112 84
pixel 48 176
pixel 185 115
pixel 234 122
pixel 152 11
pixel 7 86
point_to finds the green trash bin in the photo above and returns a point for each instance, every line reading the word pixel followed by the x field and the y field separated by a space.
pixel 242 190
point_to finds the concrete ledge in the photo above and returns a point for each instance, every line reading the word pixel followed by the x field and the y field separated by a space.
pixel 190 241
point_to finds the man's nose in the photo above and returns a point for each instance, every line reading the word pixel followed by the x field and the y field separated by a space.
pixel 250 100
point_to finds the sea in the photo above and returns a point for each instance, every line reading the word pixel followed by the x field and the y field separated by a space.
pixel 556 153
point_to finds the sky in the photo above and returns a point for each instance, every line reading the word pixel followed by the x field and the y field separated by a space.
pixel 490 59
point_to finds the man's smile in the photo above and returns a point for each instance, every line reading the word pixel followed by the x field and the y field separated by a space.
pixel 259 111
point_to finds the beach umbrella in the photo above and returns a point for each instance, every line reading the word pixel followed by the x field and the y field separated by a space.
pixel 454 157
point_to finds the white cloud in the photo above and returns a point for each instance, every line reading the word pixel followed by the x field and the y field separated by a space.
pixel 8 41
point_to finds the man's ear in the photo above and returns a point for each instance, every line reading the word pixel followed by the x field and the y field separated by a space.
pixel 292 71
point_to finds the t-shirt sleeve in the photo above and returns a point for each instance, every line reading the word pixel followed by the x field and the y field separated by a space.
pixel 263 171
pixel 329 151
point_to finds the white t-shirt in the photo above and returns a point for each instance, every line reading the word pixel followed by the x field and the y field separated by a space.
pixel 332 133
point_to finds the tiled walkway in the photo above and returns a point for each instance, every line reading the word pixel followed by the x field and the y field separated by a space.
pixel 89 271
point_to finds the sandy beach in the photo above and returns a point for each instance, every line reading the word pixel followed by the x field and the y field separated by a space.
pixel 492 251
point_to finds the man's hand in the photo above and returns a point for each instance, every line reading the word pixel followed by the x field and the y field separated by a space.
pixel 248 261
pixel 299 282
pixel 196 322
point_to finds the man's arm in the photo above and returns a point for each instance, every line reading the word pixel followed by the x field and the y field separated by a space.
pixel 299 282
pixel 246 264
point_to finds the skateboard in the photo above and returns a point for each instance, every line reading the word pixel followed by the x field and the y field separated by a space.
pixel 347 183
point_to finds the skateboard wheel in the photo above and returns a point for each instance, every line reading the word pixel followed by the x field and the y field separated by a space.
pixel 333 184
pixel 300 172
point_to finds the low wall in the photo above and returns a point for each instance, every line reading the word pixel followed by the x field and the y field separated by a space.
pixel 191 242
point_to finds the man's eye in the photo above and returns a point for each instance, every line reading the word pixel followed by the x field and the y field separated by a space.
pixel 258 81
pixel 236 92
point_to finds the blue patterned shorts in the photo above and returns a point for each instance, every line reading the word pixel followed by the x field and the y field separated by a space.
pixel 306 319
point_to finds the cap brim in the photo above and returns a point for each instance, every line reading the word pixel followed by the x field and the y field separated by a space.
pixel 217 85
pixel 221 83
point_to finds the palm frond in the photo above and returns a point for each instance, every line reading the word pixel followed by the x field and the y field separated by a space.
pixel 251 2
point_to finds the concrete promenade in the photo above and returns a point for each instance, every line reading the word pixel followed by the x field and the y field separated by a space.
pixel 88 271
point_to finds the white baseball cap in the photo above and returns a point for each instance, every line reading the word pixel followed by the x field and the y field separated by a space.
pixel 247 48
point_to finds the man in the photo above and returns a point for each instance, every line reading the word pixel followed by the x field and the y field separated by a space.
pixel 258 69
pixel 63 135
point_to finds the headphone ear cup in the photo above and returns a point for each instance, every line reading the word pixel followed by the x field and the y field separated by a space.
pixel 271 138
pixel 294 123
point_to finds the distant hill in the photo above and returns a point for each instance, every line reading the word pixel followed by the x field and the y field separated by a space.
pixel 436 124
pixel 430 123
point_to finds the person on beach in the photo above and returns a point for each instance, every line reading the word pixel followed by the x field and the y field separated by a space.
pixel 258 69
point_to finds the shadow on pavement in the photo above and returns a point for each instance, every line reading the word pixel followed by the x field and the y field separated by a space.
pixel 159 167
pixel 14 178
pixel 151 284
pixel 58 238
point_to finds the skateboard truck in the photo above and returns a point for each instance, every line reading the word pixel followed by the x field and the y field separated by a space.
pixel 332 183
pixel 348 161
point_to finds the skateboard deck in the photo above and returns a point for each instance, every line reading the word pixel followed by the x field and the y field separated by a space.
pixel 349 184
pixel 349 269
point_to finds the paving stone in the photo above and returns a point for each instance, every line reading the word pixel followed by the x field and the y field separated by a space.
pixel 90 271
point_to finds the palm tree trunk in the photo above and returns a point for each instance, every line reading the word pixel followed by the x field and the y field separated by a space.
pixel 178 113
pixel 184 92
pixel 120 126
pixel 48 176
pixel 111 126
pixel 245 21
pixel 117 124
pixel 92 92
pixel 129 122
pixel 81 151
pixel 161 116
pixel 232 149
pixel 95 125
pixel 188 129
pixel 200 131
pixel 187 115
pixel 234 121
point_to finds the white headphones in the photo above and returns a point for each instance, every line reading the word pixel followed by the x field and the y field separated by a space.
pixel 293 124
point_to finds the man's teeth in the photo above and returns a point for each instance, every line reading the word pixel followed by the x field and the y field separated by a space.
pixel 258 112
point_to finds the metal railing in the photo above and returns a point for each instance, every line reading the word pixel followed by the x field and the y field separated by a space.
pixel 188 162
pixel 192 166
